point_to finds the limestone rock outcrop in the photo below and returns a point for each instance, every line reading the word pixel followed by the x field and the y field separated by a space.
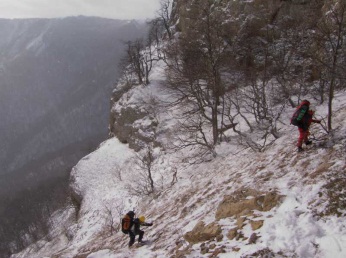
pixel 202 232
pixel 245 201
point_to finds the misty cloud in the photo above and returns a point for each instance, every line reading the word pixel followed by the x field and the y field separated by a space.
pixel 119 9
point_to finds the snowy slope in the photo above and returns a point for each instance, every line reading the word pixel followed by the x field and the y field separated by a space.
pixel 304 223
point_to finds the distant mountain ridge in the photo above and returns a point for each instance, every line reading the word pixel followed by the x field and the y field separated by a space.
pixel 54 74
pixel 56 78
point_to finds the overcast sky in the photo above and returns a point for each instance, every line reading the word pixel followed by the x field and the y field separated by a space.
pixel 116 9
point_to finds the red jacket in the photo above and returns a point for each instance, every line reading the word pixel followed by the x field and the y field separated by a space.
pixel 310 120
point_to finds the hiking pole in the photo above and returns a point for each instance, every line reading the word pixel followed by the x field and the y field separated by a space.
pixel 323 126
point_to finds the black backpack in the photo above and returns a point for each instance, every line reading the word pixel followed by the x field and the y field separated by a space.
pixel 294 117
pixel 126 224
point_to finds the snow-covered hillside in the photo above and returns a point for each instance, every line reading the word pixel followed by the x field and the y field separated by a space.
pixel 276 203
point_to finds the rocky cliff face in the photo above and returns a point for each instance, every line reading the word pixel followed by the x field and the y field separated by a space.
pixel 275 10
pixel 132 124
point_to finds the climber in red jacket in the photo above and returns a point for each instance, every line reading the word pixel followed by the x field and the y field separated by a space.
pixel 303 119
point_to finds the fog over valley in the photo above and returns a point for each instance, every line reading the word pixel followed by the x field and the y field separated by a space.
pixel 56 78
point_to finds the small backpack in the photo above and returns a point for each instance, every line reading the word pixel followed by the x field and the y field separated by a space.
pixel 126 224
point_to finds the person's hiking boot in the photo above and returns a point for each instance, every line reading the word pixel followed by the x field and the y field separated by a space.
pixel 308 142
pixel 140 243
pixel 300 149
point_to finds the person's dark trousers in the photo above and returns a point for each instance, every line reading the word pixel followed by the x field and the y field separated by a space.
pixel 140 233
pixel 132 238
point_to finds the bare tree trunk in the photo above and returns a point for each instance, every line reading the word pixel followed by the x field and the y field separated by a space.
pixel 339 17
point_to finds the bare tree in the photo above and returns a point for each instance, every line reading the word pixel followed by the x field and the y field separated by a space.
pixel 192 131
pixel 133 58
pixel 147 62
pixel 164 14
pixel 156 28
pixel 143 180
pixel 110 219
pixel 112 212
pixel 196 65
pixel 139 60
pixel 330 40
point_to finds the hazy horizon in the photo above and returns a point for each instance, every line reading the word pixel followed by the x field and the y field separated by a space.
pixel 120 9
